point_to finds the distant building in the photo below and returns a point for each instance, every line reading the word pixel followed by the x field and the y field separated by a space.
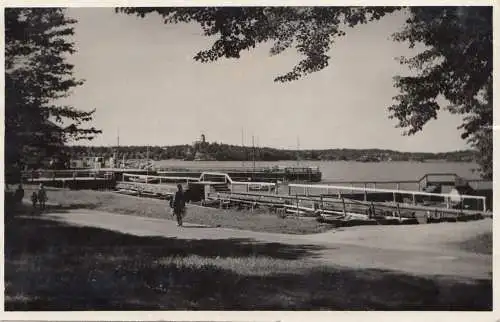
pixel 200 150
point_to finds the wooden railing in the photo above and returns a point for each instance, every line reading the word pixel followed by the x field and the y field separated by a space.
pixel 345 205
pixel 399 184
pixel 447 198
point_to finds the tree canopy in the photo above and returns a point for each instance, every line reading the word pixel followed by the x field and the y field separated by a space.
pixel 37 75
pixel 456 63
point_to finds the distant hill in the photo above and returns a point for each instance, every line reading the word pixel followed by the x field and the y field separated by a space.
pixel 225 152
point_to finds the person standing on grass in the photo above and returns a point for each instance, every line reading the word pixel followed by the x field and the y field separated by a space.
pixel 179 204
pixel 42 197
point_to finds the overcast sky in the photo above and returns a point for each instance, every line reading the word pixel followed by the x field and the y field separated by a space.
pixel 141 78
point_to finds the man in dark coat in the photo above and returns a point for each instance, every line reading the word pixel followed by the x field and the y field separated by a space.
pixel 179 204
pixel 42 197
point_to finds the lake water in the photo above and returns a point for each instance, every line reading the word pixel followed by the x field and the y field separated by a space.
pixel 349 170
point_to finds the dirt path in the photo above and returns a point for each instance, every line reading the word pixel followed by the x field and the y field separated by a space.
pixel 419 249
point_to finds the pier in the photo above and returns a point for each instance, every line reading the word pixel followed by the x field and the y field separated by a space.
pixel 261 174
pixel 355 198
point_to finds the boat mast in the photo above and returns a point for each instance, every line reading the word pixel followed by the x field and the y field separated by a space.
pixel 243 146
pixel 257 147
pixel 253 153
pixel 147 160
pixel 117 147
pixel 298 151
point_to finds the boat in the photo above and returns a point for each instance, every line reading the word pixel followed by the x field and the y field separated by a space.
pixel 144 179
pixel 260 187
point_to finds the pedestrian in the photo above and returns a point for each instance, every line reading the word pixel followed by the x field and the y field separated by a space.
pixel 34 200
pixel 19 194
pixel 42 197
pixel 178 204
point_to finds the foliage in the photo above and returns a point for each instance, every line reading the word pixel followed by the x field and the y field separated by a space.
pixel 37 74
pixel 456 64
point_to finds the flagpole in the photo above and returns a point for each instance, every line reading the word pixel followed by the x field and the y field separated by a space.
pixel 147 161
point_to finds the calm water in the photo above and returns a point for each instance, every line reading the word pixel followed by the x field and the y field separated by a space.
pixel 349 170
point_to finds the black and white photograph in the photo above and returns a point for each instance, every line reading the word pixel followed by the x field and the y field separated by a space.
pixel 248 158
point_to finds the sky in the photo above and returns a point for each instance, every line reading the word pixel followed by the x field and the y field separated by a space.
pixel 145 85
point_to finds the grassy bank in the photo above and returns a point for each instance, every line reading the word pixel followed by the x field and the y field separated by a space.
pixel 50 265
pixel 482 244
pixel 128 205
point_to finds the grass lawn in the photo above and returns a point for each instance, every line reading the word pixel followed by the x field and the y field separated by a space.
pixel 53 266
pixel 258 220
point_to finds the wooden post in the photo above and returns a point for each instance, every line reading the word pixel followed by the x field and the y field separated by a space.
pixel 394 196
pixel 343 207
pixel 321 203
pixel 414 199
pixel 297 199
pixel 447 202
pixel 289 190
pixel 461 206
pixel 398 210
pixel 397 186
pixel 365 193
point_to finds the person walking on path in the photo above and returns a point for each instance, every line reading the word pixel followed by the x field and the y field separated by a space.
pixel 178 203
pixel 42 197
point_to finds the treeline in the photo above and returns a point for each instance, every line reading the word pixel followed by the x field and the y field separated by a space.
pixel 225 152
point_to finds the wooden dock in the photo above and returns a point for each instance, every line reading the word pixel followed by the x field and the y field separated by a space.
pixel 260 174
pixel 342 211
pixel 326 201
